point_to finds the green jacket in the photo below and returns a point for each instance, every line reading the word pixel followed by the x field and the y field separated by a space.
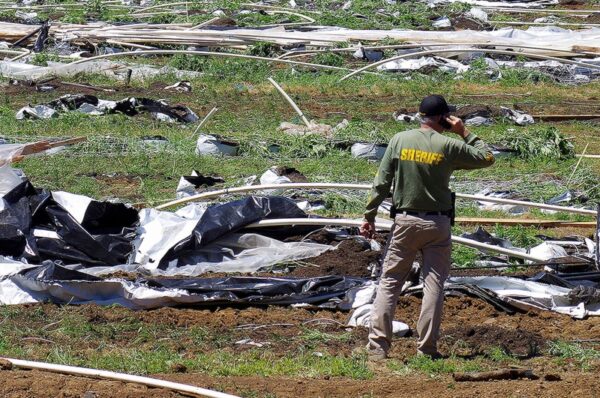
pixel 420 162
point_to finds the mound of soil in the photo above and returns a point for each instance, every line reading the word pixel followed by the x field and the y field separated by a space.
pixel 479 340
pixel 351 258
pixel 469 111
pixel 464 23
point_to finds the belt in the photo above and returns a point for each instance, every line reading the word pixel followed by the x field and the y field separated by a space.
pixel 447 213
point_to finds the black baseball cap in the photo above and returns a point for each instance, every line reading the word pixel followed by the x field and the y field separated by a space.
pixel 434 105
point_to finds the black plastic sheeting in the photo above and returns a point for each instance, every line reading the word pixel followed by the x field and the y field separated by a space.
pixel 128 106
pixel 52 282
pixel 483 236
pixel 103 238
pixel 219 220
pixel 264 290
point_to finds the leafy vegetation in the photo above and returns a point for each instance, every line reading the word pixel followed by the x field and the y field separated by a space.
pixel 546 142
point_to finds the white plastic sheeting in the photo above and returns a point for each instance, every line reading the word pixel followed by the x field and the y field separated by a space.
pixel 366 150
pixel 76 205
pixel 159 231
pixel 443 64
pixel 9 179
pixel 211 145
pixel 503 4
pixel 529 294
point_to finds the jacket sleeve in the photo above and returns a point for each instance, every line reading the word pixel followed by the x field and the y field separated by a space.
pixel 382 183
pixel 473 153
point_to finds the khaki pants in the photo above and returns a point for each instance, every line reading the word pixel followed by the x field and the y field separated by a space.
pixel 411 234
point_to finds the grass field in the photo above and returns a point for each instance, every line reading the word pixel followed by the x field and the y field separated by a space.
pixel 115 164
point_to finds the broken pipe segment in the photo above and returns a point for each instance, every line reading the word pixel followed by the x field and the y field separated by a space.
pixel 214 194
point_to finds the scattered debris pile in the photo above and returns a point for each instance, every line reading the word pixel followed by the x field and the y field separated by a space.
pixel 91 105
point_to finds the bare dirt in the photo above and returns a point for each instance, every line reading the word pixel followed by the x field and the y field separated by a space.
pixel 351 258
pixel 25 384
pixel 479 340
pixel 474 322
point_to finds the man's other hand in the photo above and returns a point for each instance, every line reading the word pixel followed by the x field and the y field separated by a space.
pixel 457 126
pixel 367 229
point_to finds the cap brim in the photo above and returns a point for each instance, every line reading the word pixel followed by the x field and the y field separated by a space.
pixel 451 108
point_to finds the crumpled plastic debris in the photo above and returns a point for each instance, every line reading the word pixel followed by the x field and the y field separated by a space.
pixel 584 294
pixel 41 225
pixel 57 284
pixel 183 86
pixel 512 209
pixel 479 121
pixel 548 251
pixel 92 105
pixel 315 128
pixel 369 151
pixel 212 145
pixel 518 117
pixel 362 317
pixel 442 22
pixel 189 184
pixel 424 64
pixel 478 14
pixel 369 55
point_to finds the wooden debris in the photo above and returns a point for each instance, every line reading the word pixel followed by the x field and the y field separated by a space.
pixel 502 374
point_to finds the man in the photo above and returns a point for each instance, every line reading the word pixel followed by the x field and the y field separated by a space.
pixel 419 163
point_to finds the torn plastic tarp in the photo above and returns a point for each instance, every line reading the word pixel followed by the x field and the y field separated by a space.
pixel 233 253
pixel 491 206
pixel 53 283
pixel 212 145
pixel 424 64
pixel 370 151
pixel 91 105
pixel 528 294
pixel 504 4
pixel 188 184
pixel 563 73
pixel 37 225
pixel 481 235
pixel 165 237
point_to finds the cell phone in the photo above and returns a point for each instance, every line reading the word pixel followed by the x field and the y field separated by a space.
pixel 445 123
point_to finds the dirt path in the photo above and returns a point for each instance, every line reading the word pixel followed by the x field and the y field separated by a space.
pixel 25 384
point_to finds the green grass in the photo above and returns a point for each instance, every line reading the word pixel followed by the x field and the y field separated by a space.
pixel 585 358
pixel 433 368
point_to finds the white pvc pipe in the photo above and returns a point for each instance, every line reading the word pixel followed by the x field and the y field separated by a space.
pixel 105 374
pixel 289 54
pixel 290 101
pixel 316 185
pixel 205 53
pixel 465 50
pixel 282 222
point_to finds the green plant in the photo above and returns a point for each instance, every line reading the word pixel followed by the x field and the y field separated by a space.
pixel 329 58
pixel 564 350
pixel 264 49
pixel 544 142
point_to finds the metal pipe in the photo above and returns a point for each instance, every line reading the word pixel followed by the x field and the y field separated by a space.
pixel 282 222
pixel 316 185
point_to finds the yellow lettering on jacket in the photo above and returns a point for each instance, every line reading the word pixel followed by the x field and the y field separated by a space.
pixel 403 154
pixel 415 155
